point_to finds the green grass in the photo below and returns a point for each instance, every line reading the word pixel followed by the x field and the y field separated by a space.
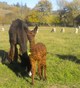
pixel 63 61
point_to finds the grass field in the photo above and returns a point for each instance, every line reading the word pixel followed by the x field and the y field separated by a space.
pixel 63 60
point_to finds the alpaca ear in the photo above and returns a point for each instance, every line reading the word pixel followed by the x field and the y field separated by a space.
pixel 36 28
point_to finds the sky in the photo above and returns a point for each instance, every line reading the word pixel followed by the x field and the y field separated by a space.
pixel 31 3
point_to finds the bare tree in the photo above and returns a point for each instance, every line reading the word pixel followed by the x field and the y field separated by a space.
pixel 68 11
pixel 61 4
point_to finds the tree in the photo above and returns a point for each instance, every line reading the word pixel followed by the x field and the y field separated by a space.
pixel 62 11
pixel 43 6
pixel 17 4
pixel 77 20
pixel 32 17
pixel 44 9
pixel 61 4
pixel 73 10
pixel 68 11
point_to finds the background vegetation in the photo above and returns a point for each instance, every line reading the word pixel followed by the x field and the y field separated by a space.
pixel 67 14
pixel 63 61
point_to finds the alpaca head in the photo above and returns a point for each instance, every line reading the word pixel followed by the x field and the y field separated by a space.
pixel 31 33
pixel 25 61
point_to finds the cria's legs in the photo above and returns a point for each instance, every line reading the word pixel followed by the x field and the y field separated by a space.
pixel 44 67
pixel 33 71
pixel 45 72
pixel 42 71
pixel 39 69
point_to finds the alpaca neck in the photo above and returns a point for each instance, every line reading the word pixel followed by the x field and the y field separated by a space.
pixel 32 44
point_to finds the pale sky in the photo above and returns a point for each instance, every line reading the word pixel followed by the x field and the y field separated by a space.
pixel 31 3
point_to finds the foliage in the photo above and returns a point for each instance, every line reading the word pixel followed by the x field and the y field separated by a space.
pixel 33 17
pixel 56 20
pixel 77 20
pixel 43 6
pixel 69 11
pixel 42 13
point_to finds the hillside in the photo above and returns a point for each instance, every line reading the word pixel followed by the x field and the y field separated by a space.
pixel 11 12
pixel 4 8
pixel 3 12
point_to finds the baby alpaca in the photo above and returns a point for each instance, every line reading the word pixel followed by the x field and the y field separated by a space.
pixel 38 54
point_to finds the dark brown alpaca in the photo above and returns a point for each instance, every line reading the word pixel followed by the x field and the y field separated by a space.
pixel 38 54
pixel 18 36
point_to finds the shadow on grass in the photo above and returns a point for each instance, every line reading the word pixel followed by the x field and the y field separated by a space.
pixel 14 66
pixel 69 57
pixel 3 56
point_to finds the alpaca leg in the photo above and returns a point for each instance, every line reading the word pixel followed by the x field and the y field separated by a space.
pixel 42 71
pixel 39 70
pixel 11 53
pixel 33 71
pixel 16 54
pixel 23 47
pixel 45 72
pixel 32 76
pixel 44 67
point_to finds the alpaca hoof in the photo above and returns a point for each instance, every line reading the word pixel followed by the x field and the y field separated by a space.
pixel 30 74
pixel 40 78
pixel 44 79
pixel 32 83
